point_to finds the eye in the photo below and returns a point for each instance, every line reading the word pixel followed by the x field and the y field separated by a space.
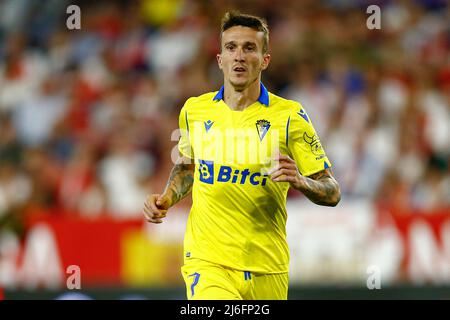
pixel 250 48
pixel 230 47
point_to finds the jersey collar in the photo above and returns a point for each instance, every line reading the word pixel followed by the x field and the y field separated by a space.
pixel 263 96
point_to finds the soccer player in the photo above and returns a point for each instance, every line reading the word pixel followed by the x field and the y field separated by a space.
pixel 235 242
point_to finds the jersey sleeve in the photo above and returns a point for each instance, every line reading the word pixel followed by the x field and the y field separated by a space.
pixel 304 145
pixel 184 144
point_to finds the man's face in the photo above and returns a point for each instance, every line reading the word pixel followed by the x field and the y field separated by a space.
pixel 242 58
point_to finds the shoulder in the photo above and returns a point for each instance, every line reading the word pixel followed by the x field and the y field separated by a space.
pixel 281 103
pixel 297 114
pixel 199 101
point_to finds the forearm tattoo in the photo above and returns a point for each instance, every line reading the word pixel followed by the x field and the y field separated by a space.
pixel 321 188
pixel 180 181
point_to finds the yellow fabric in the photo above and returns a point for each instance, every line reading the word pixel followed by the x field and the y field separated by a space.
pixel 238 216
pixel 208 281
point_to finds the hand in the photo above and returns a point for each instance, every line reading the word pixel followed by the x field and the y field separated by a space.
pixel 155 207
pixel 286 171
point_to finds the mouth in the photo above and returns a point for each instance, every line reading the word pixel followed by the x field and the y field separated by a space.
pixel 239 69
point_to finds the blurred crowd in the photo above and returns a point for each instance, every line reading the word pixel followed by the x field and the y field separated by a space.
pixel 86 116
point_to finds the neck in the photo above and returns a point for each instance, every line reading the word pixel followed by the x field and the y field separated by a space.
pixel 239 100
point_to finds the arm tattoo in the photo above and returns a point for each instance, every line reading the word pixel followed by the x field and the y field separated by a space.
pixel 180 181
pixel 321 188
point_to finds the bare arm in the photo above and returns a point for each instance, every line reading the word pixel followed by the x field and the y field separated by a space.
pixel 178 186
pixel 180 181
pixel 321 188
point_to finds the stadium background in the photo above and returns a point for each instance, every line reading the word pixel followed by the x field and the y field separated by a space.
pixel 86 118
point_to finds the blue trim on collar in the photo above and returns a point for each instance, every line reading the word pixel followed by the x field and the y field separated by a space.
pixel 263 96
pixel 219 95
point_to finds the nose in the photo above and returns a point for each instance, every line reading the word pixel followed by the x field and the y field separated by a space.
pixel 239 55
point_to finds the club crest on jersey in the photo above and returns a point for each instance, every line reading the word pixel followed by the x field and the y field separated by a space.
pixel 262 126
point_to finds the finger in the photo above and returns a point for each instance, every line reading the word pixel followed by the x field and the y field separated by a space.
pixel 149 208
pixel 163 202
pixel 154 220
pixel 275 168
pixel 148 211
pixel 285 158
pixel 284 165
pixel 284 178
pixel 146 214
pixel 149 215
pixel 287 172
pixel 283 171
pixel 159 216
pixel 151 205
pixel 152 217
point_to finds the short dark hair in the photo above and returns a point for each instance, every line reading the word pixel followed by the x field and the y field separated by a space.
pixel 235 18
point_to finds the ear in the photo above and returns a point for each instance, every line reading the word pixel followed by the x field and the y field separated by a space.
pixel 265 62
pixel 219 60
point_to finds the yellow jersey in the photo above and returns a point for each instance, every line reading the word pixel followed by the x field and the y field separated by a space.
pixel 238 217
